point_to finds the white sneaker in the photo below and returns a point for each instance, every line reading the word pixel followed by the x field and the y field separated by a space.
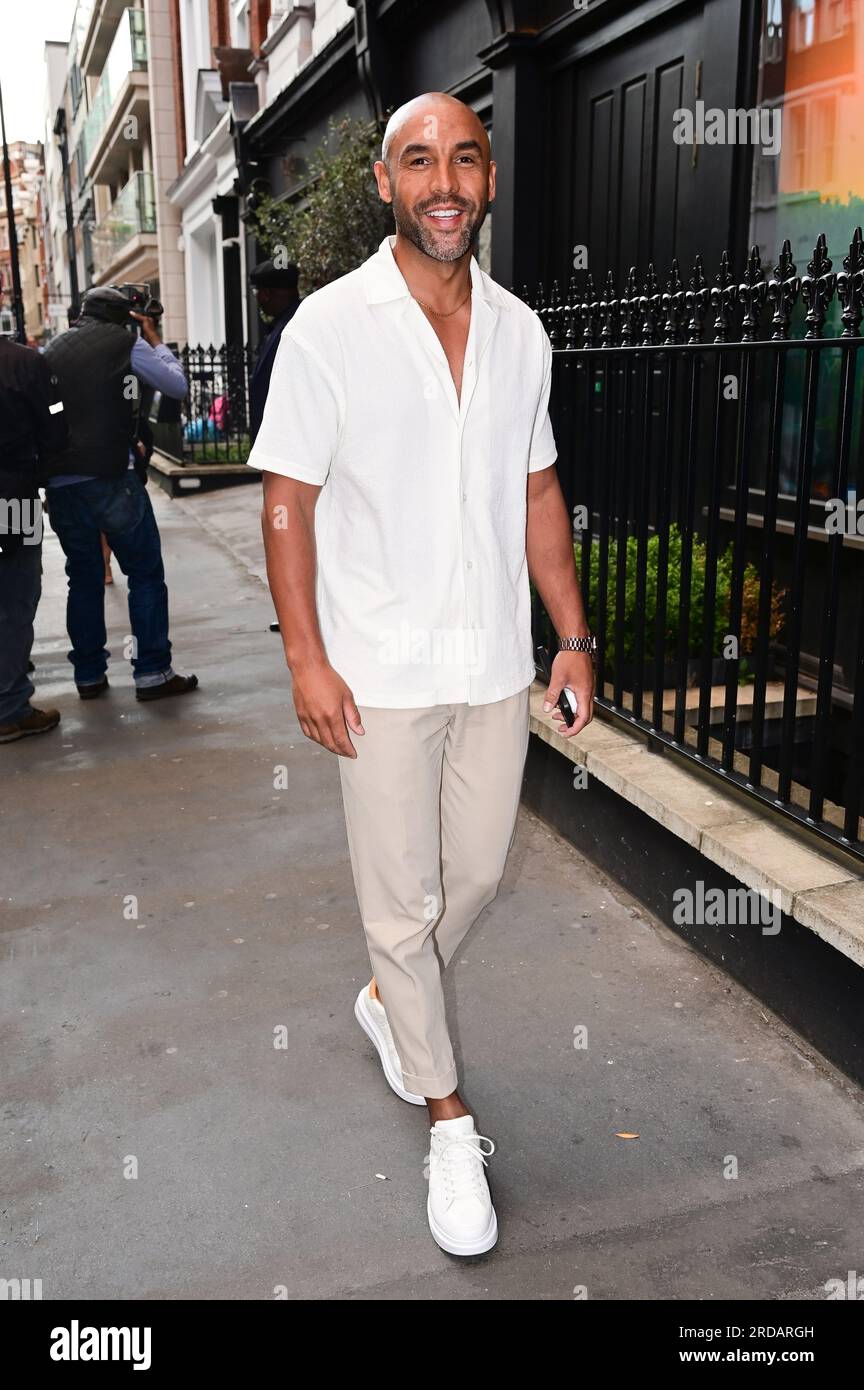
pixel 372 1018
pixel 461 1215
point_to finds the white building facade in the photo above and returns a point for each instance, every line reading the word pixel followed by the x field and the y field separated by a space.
pixel 260 51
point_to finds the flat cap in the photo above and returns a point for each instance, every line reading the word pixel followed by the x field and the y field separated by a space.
pixel 266 275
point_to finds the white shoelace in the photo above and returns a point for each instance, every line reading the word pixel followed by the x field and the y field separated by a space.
pixel 462 1162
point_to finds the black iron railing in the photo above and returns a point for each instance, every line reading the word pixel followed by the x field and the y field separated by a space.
pixel 712 452
pixel 213 423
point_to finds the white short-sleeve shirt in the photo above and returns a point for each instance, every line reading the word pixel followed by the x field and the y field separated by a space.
pixel 422 581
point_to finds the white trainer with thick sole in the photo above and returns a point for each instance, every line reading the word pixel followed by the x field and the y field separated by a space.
pixel 461 1215
pixel 371 1016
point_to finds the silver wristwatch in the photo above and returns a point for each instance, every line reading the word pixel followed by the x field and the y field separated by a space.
pixel 578 644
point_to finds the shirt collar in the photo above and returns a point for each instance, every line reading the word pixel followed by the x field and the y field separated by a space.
pixel 384 281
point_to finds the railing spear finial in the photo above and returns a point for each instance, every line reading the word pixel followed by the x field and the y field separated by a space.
pixel 591 313
pixel 723 299
pixel 783 290
pixel 650 308
pixel 698 301
pixel 817 288
pixel 629 310
pixel 850 287
pixel 609 313
pixel 554 317
pixel 674 303
pixel 752 293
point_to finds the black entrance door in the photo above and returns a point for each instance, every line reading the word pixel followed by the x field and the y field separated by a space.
pixel 617 183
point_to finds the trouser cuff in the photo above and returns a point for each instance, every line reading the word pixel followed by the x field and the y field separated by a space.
pixel 21 713
pixel 434 1087
pixel 148 678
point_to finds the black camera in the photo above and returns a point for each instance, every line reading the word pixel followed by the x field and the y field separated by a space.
pixel 141 300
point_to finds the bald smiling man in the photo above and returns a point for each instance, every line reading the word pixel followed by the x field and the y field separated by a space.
pixel 409 492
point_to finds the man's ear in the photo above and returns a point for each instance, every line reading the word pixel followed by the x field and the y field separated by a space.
pixel 492 173
pixel 382 178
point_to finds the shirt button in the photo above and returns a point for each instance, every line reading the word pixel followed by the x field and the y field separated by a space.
pixel 469 565
pixel 464 496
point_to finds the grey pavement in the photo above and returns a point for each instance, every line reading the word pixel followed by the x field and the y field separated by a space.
pixel 147 1042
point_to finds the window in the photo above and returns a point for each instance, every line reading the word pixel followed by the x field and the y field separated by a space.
pixel 797 123
pixel 240 23
pixel 803 23
pixel 772 32
pixel 815 80
pixel 196 54
pixel 816 83
pixel 837 18
pixel 824 151
pixel 76 86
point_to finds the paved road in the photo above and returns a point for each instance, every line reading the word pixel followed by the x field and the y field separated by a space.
pixel 147 1042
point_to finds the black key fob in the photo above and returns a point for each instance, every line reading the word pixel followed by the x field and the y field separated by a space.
pixel 543 666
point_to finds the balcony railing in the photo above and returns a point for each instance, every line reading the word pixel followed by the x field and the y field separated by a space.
pixel 132 212
pixel 128 53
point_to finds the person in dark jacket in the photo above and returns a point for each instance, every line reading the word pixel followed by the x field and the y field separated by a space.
pixel 276 288
pixel 93 487
pixel 32 423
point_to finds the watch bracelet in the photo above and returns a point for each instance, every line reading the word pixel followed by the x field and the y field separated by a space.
pixel 578 644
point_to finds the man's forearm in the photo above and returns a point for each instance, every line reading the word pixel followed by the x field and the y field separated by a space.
pixel 288 524
pixel 551 562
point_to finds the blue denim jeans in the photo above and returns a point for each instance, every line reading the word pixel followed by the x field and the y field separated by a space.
pixel 20 587
pixel 121 508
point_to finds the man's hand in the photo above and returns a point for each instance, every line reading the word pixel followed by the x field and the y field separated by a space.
pixel 552 568
pixel 325 708
pixel 148 328
pixel 576 671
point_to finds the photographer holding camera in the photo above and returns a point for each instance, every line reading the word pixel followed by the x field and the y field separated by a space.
pixel 101 364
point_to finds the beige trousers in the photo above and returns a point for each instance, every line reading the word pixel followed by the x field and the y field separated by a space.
pixel 430 808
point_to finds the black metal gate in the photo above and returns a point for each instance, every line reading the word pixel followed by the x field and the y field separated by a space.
pixel 711 450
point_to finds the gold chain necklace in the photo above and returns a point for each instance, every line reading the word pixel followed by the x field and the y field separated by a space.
pixel 437 312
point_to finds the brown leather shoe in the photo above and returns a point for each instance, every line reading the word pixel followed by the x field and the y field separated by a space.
pixel 39 721
pixel 178 685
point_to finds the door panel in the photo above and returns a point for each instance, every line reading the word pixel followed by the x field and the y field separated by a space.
pixel 631 194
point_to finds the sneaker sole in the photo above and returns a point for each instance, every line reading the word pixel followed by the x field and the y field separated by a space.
pixel 147 698
pixel 478 1246
pixel 381 1048
pixel 27 733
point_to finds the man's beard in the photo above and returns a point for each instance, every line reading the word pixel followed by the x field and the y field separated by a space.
pixel 412 226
